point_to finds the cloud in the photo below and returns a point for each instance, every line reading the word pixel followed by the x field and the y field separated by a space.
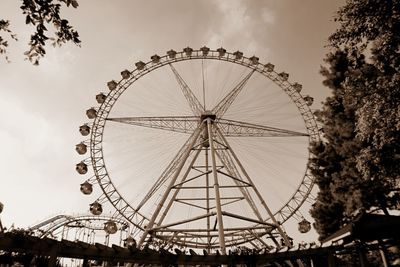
pixel 234 16
pixel 57 59
pixel 33 155
pixel 239 26
pixel 267 16
pixel 26 132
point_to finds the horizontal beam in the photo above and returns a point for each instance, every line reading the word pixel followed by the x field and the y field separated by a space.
pixel 11 242
pixel 180 124
pixel 243 129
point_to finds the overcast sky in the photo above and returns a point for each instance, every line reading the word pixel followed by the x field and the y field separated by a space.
pixel 42 106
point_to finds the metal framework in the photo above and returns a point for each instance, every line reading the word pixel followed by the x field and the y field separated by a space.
pixel 58 226
pixel 218 170
pixel 27 246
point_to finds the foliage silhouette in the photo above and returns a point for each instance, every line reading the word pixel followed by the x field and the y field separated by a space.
pixel 41 14
pixel 357 164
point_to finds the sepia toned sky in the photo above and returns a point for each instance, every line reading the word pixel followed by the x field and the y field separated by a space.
pixel 41 107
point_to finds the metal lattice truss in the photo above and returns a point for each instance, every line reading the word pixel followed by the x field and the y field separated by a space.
pixel 208 132
pixel 188 124
pixel 58 225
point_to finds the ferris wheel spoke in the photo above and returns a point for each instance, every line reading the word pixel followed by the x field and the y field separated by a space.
pixel 180 124
pixel 192 100
pixel 233 128
pixel 220 109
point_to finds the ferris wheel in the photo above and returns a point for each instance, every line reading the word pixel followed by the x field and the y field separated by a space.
pixel 201 149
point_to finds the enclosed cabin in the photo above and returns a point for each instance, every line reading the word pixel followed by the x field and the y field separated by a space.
pixel 221 52
pixel 309 100
pixel 101 98
pixel 188 51
pixel 238 55
pixel 155 59
pixel 96 208
pixel 129 242
pixel 298 87
pixel 110 227
pixel 86 188
pixel 81 148
pixel 140 65
pixel 304 226
pixel 254 60
pixel 171 53
pixel 125 74
pixel 91 113
pixel 204 50
pixel 269 67
pixel 284 76
pixel 81 168
pixel 112 85
pixel 84 130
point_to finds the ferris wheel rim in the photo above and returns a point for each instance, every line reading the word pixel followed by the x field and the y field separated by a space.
pixel 103 178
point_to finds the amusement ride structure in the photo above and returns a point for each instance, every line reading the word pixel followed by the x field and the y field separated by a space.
pixel 202 158
pixel 83 227
pixel 201 149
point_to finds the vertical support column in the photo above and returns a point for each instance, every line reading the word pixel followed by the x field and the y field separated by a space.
pixel 53 256
pixel 207 200
pixel 85 262
pixel 383 254
pixel 221 234
pixel 169 188
pixel 384 259
pixel 362 255
pixel 331 259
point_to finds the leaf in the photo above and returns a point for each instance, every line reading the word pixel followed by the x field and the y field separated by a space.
pixel 28 20
pixel 357 166
pixel 74 3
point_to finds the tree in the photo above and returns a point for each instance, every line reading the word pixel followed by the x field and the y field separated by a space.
pixel 357 164
pixel 41 14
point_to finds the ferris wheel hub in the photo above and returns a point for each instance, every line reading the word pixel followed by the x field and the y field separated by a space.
pixel 208 114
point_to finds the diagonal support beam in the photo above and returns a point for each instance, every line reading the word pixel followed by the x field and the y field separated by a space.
pixel 220 109
pixel 233 128
pixel 247 219
pixel 230 166
pixel 196 218
pixel 172 167
pixel 192 100
pixel 176 187
pixel 177 170
pixel 180 124
pixel 263 203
